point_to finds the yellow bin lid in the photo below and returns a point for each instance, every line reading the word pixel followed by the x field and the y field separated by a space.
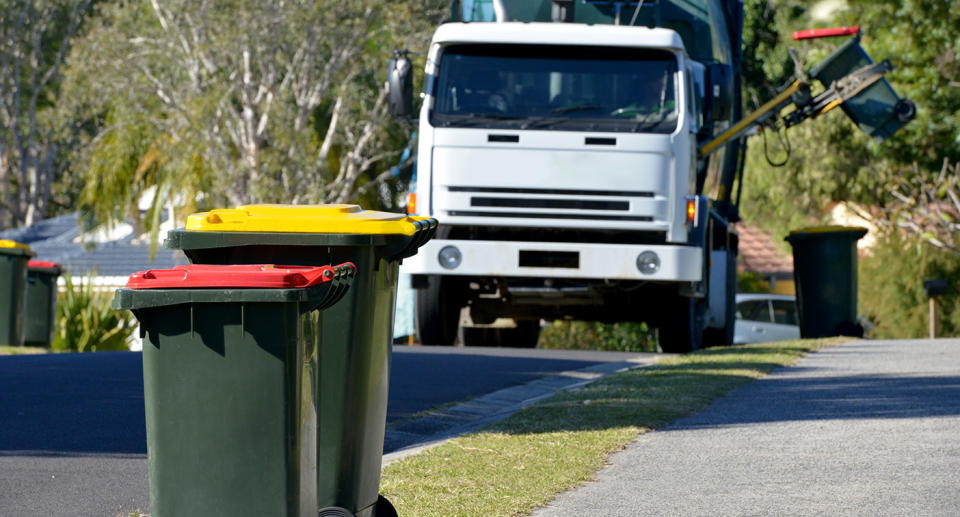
pixel 8 244
pixel 349 219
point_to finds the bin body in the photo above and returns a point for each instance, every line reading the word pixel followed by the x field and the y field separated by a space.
pixel 41 303
pixel 229 390
pixel 354 343
pixel 876 109
pixel 825 273
pixel 13 281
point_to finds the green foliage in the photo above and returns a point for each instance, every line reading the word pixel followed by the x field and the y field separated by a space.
pixel 750 282
pixel 591 335
pixel 86 322
pixel 891 288
pixel 213 105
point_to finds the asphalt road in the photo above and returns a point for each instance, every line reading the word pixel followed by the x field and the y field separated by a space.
pixel 72 436
pixel 866 428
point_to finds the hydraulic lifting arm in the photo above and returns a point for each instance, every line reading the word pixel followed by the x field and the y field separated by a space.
pixel 798 93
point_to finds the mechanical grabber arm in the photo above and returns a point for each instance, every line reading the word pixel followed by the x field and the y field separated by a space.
pixel 806 106
pixel 853 81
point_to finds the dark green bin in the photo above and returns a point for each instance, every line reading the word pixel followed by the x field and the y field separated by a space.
pixel 825 273
pixel 877 110
pixel 41 302
pixel 356 334
pixel 229 389
pixel 13 282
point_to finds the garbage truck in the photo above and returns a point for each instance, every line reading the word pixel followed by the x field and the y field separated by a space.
pixel 581 157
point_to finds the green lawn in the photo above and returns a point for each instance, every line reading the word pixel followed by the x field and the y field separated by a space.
pixel 523 462
pixel 22 350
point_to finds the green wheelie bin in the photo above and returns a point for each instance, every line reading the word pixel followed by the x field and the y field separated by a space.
pixel 229 375
pixel 355 335
pixel 825 272
pixel 41 302
pixel 13 282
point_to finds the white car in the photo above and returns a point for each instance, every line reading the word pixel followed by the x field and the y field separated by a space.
pixel 762 318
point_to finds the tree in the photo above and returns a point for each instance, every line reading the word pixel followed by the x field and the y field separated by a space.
pixel 214 103
pixel 830 159
pixel 34 40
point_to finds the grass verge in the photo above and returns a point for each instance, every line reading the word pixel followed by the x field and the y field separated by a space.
pixel 22 350
pixel 523 462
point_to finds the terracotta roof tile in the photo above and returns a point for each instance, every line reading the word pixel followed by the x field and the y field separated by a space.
pixel 760 254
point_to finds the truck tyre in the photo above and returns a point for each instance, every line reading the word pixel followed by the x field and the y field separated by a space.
pixel 437 312
pixel 724 336
pixel 682 330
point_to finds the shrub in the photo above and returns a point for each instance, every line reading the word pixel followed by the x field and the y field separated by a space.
pixel 86 322
pixel 592 335
pixel 750 282
pixel 891 292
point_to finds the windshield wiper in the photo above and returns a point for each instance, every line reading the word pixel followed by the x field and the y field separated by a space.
pixel 582 107
pixel 543 122
pixel 447 119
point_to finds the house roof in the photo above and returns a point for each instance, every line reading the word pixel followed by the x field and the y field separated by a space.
pixel 59 240
pixel 760 254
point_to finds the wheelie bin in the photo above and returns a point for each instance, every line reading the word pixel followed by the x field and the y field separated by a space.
pixel 355 334
pixel 825 272
pixel 13 281
pixel 41 302
pixel 877 109
pixel 229 373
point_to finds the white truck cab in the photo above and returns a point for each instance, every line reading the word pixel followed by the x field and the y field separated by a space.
pixel 560 156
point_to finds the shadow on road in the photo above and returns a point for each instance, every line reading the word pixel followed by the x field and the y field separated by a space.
pixel 845 397
pixel 72 404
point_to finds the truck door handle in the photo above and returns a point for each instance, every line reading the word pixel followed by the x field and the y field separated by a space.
pixel 759 330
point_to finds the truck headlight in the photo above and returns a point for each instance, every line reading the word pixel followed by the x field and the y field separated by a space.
pixel 647 262
pixel 449 257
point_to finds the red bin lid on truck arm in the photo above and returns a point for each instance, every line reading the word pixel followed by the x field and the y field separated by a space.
pixel 260 276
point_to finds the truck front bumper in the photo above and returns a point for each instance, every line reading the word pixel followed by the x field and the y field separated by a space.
pixel 558 260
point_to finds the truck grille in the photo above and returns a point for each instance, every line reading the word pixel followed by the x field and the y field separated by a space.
pixel 550 191
pixel 576 204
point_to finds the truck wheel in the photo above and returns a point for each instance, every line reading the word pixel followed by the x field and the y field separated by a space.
pixel 437 312
pixel 724 336
pixel 682 330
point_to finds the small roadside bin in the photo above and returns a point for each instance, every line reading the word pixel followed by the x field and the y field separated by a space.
pixel 41 302
pixel 825 272
pixel 13 282
pixel 355 335
pixel 229 378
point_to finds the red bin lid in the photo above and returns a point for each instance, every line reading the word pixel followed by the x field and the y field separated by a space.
pixel 201 276
pixel 42 264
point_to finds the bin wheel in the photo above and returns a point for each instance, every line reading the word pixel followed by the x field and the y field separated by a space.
pixel 335 511
pixel 682 329
pixel 384 508
pixel 438 312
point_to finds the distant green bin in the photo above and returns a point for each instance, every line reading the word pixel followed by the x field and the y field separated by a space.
pixel 825 273
pixel 355 334
pixel 13 282
pixel 41 302
pixel 229 374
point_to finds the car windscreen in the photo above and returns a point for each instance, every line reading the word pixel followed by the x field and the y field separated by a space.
pixel 572 88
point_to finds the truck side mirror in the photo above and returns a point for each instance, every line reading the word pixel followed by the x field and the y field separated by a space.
pixel 400 85
pixel 719 92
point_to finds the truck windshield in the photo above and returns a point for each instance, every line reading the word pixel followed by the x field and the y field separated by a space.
pixel 569 88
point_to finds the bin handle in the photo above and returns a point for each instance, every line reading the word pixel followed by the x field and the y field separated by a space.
pixel 323 274
pixel 338 283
